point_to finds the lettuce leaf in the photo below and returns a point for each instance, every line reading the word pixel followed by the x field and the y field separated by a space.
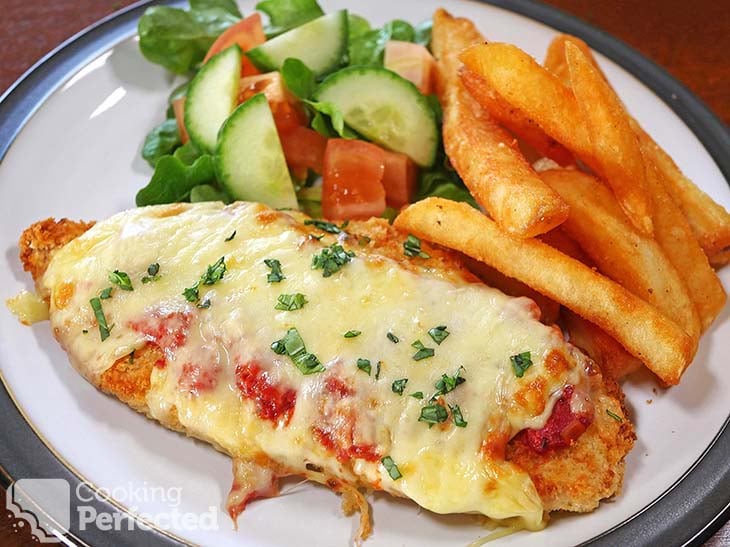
pixel 443 182
pixel 367 47
pixel 161 141
pixel 286 14
pixel 178 39
pixel 176 175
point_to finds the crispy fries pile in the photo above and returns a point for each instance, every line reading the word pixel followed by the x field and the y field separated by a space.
pixel 613 231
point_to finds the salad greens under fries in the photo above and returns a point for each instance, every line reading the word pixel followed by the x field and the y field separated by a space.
pixel 268 110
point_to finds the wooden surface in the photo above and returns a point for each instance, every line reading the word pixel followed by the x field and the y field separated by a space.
pixel 691 39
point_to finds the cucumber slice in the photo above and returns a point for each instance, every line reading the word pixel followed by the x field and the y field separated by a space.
pixel 249 159
pixel 212 96
pixel 319 44
pixel 385 108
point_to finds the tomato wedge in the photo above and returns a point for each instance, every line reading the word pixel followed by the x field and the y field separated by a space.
pixel 303 149
pixel 287 112
pixel 247 33
pixel 352 181
pixel 178 106
pixel 399 179
pixel 411 61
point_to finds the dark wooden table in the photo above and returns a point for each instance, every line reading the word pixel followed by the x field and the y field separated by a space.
pixel 691 39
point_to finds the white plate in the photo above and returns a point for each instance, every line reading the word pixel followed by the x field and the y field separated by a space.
pixel 79 157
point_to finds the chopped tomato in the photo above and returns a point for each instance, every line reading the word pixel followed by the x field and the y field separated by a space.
pixel 303 149
pixel 352 182
pixel 247 33
pixel 178 106
pixel 411 61
pixel 399 179
pixel 287 112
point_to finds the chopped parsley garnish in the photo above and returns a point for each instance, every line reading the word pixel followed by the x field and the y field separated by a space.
pixel 439 334
pixel 230 237
pixel 331 259
pixel 325 226
pixel 275 276
pixel 192 294
pixel 104 329
pixel 448 383
pixel 391 468
pixel 457 416
pixel 152 273
pixel 412 247
pixel 364 365
pixel 520 363
pixel 392 337
pixel 293 346
pixel 106 293
pixel 121 279
pixel 212 275
pixel 85 331
pixel 399 385
pixel 423 352
pixel 204 305
pixel 377 370
pixel 291 302
pixel 433 414
pixel 352 333
pixel 614 416
pixel 215 272
pixel 417 394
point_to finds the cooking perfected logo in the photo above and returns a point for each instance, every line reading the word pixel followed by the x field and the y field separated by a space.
pixel 43 504
pixel 50 506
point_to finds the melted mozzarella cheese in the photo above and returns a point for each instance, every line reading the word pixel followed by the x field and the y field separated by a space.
pixel 444 468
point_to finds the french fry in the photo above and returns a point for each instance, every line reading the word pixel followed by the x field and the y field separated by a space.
pixel 484 155
pixel 561 241
pixel 638 326
pixel 514 120
pixel 709 221
pixel 613 359
pixel 628 257
pixel 523 83
pixel 615 145
pixel 549 309
pixel 675 237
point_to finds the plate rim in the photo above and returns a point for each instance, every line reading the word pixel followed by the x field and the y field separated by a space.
pixel 686 513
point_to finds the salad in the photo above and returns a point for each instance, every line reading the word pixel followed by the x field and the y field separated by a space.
pixel 312 111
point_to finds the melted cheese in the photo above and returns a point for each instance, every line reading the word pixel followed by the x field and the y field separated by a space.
pixel 28 307
pixel 444 468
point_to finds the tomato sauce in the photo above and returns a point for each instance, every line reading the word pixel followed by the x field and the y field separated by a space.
pixel 562 428
pixel 273 402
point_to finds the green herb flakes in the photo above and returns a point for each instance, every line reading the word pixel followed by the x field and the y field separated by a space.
pixel 153 271
pixel 457 416
pixel 364 365
pixel 293 346
pixel 331 259
pixel 398 386
pixel 291 302
pixel 121 280
pixel 391 468
pixel 106 293
pixel 423 352
pixel 520 363
pixel 275 276
pixel 352 333
pixel 438 334
pixel 392 337
pixel 433 414
pixel 412 247
pixel 104 329
pixel 230 237
pixel 614 416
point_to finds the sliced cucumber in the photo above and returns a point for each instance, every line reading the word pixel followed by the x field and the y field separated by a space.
pixel 385 108
pixel 249 159
pixel 320 44
pixel 212 97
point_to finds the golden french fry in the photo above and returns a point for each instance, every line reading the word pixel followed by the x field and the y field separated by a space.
pixel 613 359
pixel 549 309
pixel 638 326
pixel 615 146
pixel 709 221
pixel 524 84
pixel 628 257
pixel 514 119
pixel 484 155
pixel 675 237
pixel 561 241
